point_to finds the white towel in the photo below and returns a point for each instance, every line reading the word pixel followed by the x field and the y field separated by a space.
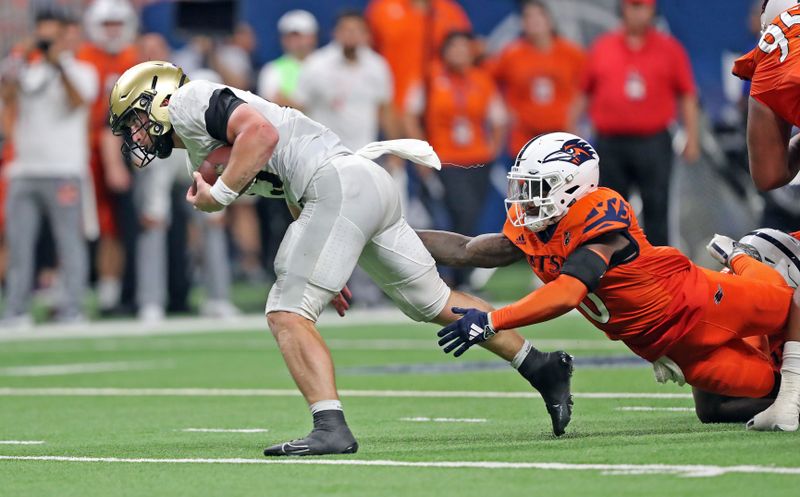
pixel 417 151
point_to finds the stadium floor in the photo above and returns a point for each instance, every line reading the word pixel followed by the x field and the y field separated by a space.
pixel 186 410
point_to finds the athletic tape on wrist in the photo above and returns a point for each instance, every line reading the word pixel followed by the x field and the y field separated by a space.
pixel 222 193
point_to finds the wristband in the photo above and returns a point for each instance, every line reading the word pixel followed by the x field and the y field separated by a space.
pixel 222 194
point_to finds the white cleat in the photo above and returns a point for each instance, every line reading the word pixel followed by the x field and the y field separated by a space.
pixel 724 248
pixel 776 417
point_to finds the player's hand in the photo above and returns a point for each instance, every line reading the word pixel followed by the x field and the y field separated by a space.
pixel 341 302
pixel 460 335
pixel 199 195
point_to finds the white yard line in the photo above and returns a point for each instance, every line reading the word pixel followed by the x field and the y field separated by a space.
pixel 225 430
pixel 82 368
pixel 21 442
pixel 648 409
pixel 200 325
pixel 265 392
pixel 690 470
pixel 422 419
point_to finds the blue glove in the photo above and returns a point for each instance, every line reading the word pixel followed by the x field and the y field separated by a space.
pixel 472 328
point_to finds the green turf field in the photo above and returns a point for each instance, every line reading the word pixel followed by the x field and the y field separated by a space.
pixel 127 401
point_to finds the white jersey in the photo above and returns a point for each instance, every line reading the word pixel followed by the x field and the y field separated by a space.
pixel 303 146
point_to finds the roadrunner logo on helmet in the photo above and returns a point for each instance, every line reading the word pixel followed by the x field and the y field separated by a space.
pixel 551 172
pixel 139 102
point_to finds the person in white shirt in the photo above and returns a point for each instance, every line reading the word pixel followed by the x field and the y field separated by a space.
pixel 51 92
pixel 347 86
pixel 347 212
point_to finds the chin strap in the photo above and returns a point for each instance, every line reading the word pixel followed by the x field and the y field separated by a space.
pixel 417 151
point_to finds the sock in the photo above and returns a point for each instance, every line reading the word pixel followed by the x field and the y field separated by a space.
pixel 108 292
pixel 528 361
pixel 790 374
pixel 328 415
pixel 325 405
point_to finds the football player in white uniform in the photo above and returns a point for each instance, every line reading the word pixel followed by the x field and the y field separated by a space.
pixel 347 211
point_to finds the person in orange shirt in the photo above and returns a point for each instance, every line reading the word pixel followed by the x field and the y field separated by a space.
pixel 539 75
pixel 585 243
pixel 409 35
pixel 111 27
pixel 461 114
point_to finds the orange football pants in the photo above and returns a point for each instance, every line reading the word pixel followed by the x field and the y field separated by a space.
pixel 728 351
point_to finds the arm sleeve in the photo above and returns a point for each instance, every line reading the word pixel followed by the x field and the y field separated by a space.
pixel 187 112
pixel 220 107
pixel 550 301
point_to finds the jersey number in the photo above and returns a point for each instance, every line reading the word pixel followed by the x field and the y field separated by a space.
pixel 601 316
pixel 778 37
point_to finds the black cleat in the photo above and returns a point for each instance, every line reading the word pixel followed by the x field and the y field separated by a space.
pixel 550 374
pixel 329 436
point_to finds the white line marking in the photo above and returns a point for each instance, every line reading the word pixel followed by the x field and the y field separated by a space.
pixel 200 325
pixel 422 419
pixel 690 470
pixel 82 368
pixel 266 392
pixel 647 408
pixel 21 442
pixel 225 430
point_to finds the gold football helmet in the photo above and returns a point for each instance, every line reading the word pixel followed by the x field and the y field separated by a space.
pixel 139 101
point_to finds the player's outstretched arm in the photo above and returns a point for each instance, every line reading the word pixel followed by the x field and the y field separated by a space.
pixel 453 249
pixel 772 163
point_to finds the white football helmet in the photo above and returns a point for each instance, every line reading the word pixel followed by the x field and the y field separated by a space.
pixel 101 12
pixel 779 250
pixel 772 9
pixel 550 173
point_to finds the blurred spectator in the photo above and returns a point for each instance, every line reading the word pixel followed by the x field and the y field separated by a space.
pixel 636 77
pixel 409 34
pixel 51 93
pixel 348 87
pixel 111 28
pixel 153 189
pixel 539 75
pixel 465 122
pixel 233 58
pixel 277 80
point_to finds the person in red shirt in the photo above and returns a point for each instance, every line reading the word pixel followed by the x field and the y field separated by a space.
pixel 585 243
pixel 773 67
pixel 539 75
pixel 635 80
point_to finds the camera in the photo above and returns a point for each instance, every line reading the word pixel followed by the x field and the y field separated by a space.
pixel 43 45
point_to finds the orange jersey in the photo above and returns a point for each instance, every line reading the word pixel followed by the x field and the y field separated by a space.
pixel 109 67
pixel 648 303
pixel 457 110
pixel 538 86
pixel 409 37
pixel 774 67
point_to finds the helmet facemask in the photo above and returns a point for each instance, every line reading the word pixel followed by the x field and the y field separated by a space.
pixel 529 203
pixel 139 117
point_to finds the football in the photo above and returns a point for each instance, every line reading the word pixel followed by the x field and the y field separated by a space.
pixel 215 163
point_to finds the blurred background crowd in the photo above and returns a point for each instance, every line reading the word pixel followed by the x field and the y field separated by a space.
pixel 86 235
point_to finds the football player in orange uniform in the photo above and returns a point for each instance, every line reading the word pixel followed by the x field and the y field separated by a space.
pixel 584 242
pixel 111 27
pixel 773 67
